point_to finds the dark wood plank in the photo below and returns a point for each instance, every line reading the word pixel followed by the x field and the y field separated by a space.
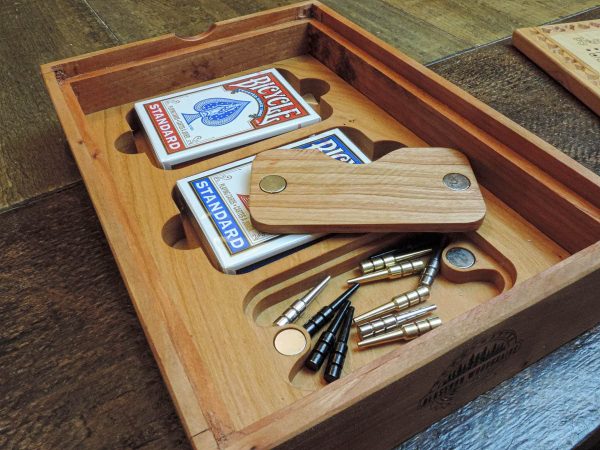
pixel 34 157
pixel 417 37
pixel 77 372
pixel 131 20
pixel 484 21
pixel 424 30
pixel 505 79
pixel 75 367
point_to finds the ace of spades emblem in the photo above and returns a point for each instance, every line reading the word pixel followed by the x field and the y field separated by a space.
pixel 215 112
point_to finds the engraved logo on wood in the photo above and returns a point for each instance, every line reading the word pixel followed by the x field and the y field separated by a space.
pixel 476 363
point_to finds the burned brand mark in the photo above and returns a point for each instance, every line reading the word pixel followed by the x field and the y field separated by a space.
pixel 478 362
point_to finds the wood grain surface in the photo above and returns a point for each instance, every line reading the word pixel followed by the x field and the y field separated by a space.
pixel 33 155
pixel 505 79
pixel 76 369
pixel 426 30
pixel 400 191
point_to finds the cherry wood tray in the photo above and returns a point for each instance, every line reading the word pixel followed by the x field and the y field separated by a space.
pixel 534 285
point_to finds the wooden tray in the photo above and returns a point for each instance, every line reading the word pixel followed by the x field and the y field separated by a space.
pixel 533 288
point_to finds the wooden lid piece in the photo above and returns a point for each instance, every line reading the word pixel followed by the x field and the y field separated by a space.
pixel 409 189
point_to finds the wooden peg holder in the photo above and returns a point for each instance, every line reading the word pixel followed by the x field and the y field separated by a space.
pixel 401 191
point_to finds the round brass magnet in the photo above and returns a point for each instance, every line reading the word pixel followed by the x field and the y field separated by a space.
pixel 460 257
pixel 272 184
pixel 457 181
pixel 290 341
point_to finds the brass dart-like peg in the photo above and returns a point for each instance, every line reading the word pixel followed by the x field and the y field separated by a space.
pixel 320 319
pixel 398 271
pixel 316 358
pixel 408 246
pixel 399 303
pixel 293 312
pixel 390 259
pixel 335 365
pixel 392 321
pixel 406 332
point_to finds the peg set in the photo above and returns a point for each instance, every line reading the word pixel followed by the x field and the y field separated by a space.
pixel 402 318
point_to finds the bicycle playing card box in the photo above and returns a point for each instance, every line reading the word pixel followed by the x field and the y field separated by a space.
pixel 532 288
pixel 218 202
pixel 202 121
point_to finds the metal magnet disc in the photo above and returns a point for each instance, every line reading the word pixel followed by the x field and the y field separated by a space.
pixel 290 342
pixel 460 257
pixel 272 184
pixel 457 181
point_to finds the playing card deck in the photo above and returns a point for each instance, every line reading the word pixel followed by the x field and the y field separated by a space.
pixel 198 122
pixel 218 202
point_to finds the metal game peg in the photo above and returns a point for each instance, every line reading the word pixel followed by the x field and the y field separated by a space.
pixel 433 266
pixel 293 312
pixel 392 321
pixel 406 332
pixel 398 271
pixel 335 365
pixel 323 346
pixel 320 319
pixel 390 259
pixel 410 244
pixel 399 303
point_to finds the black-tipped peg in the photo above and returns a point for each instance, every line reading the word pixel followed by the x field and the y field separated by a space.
pixel 335 365
pixel 433 266
pixel 320 319
pixel 316 358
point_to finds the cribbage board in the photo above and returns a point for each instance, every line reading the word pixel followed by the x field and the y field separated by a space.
pixel 538 258
pixel 569 53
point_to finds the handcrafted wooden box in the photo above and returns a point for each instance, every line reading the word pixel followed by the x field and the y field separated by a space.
pixel 534 287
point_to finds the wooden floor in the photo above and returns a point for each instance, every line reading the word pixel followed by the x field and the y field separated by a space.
pixel 75 368
pixel 34 158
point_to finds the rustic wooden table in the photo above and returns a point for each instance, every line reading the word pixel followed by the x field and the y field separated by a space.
pixel 75 367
